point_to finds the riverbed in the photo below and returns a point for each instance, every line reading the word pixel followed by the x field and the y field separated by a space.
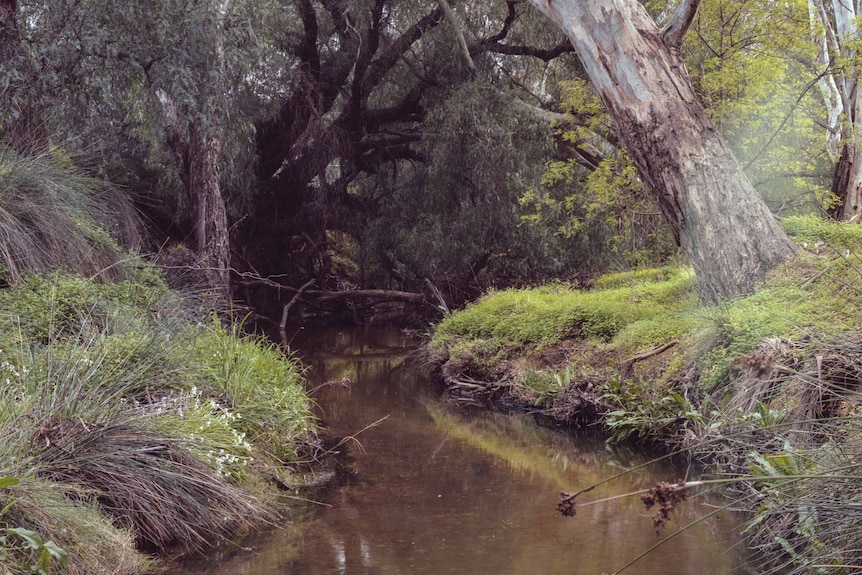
pixel 426 488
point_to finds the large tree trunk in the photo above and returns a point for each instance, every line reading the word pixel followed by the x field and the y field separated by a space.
pixel 211 224
pixel 197 153
pixel 716 215
pixel 195 138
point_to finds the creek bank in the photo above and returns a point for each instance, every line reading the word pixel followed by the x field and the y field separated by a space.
pixel 136 425
pixel 763 386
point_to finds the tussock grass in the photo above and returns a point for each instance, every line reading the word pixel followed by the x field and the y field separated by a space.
pixel 94 544
pixel 54 217
pixel 150 485
pixel 261 385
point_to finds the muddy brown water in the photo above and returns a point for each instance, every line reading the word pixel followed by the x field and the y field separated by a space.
pixel 428 489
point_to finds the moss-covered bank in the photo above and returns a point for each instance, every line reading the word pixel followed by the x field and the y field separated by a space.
pixel 766 384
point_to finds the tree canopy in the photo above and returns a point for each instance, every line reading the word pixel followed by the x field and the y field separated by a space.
pixel 443 147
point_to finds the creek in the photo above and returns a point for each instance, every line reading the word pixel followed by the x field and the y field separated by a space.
pixel 428 489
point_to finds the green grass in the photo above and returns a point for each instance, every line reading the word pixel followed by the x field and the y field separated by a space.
pixel 262 387
pixel 545 316
pixel 108 390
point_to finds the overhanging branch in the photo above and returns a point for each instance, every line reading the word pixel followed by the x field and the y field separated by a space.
pixel 675 30
pixel 544 54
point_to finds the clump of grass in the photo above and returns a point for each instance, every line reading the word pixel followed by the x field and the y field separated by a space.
pixel 121 404
pixel 54 217
pixel 207 429
pixel 259 383
pixel 147 484
pixel 92 543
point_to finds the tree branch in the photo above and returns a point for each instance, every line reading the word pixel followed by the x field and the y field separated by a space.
pixel 675 30
pixel 382 64
pixel 507 24
pixel 545 54
pixel 367 293
pixel 452 19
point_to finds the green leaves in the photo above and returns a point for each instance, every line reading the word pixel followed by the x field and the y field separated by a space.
pixel 32 541
pixel 6 482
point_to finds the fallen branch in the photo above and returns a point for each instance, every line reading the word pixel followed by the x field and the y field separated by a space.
pixel 627 369
pixel 323 296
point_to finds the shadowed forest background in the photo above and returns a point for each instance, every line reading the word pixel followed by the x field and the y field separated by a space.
pixel 431 149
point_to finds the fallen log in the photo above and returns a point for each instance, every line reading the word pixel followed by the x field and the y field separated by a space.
pixel 323 296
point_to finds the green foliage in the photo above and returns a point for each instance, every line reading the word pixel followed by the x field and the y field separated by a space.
pixel 207 429
pixel 542 387
pixel 748 62
pixel 603 215
pixel 456 219
pixel 807 519
pixel 642 411
pixel 659 330
pixel 803 297
pixel 17 543
pixel 25 541
pixel 47 307
pixel 263 387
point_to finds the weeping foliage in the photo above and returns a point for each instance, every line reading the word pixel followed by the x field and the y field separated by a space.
pixel 483 152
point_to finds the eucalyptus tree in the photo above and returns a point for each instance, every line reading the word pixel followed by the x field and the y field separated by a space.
pixel 715 214
pixel 835 29
pixel 153 92
pixel 379 94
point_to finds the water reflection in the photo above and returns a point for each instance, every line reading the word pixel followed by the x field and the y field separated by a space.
pixel 432 491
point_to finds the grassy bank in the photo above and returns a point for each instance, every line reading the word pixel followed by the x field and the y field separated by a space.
pixel 134 423
pixel 128 425
pixel 765 387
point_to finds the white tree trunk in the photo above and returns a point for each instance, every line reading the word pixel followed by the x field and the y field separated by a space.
pixel 837 33
pixel 722 224
pixel 822 34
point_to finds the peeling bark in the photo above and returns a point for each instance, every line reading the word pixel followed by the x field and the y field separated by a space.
pixel 716 216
